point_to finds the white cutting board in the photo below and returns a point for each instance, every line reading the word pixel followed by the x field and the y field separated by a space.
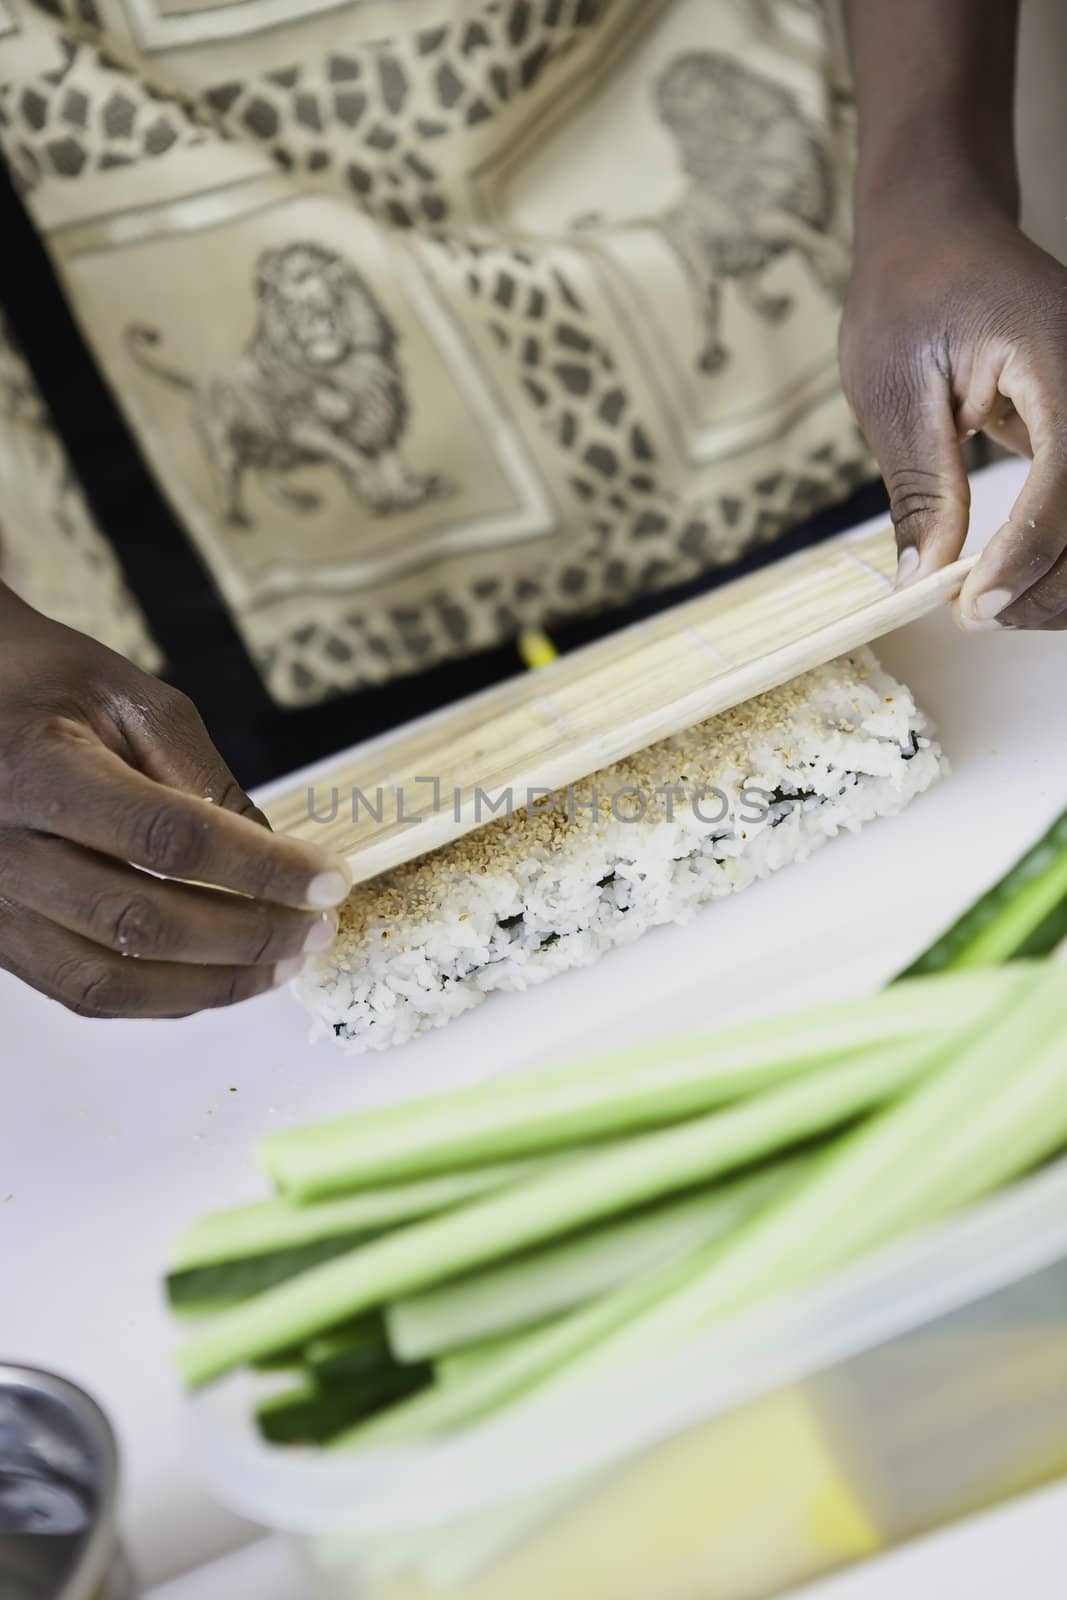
pixel 113 1134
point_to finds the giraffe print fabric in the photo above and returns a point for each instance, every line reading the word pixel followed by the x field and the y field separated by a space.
pixel 443 318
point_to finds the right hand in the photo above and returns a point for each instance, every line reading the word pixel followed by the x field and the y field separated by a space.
pixel 105 778
pixel 952 328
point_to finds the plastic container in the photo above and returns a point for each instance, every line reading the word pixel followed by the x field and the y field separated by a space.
pixel 924 1384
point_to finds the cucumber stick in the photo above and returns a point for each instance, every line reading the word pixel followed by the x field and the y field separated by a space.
pixel 196 1291
pixel 997 1107
pixel 567 1196
pixel 1024 914
pixel 461 1398
pixel 273 1225
pixel 461 1363
pixel 994 1112
pixel 621 1094
pixel 517 1294
pixel 312 1413
pixel 349 1350
pixel 352 1351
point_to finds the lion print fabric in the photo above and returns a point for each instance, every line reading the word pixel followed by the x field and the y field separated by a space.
pixel 440 318
pixel 51 552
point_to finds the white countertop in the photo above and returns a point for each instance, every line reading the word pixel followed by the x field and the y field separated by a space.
pixel 1019 1550
pixel 115 1134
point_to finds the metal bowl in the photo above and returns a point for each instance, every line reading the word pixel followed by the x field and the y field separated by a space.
pixel 59 1478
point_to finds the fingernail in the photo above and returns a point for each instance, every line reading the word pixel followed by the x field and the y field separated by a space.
pixel 286 971
pixel 991 604
pixel 321 933
pixel 972 625
pixel 907 567
pixel 328 889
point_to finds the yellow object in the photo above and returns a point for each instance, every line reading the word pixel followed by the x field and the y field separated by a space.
pixel 536 649
pixel 741 1508
pixel 753 1503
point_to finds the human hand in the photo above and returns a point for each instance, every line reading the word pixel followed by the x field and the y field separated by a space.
pixel 958 323
pixel 105 771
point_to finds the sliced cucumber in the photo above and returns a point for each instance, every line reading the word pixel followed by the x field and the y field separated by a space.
pixel 313 1413
pixel 196 1291
pixel 1024 914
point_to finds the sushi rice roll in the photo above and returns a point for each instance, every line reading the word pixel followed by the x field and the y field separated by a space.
pixel 649 840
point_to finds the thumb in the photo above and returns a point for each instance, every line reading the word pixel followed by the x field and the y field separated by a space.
pixel 914 438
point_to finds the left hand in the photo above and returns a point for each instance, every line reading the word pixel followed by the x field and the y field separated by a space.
pixel 956 322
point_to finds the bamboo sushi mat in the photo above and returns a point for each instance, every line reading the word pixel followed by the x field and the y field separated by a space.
pixel 436 779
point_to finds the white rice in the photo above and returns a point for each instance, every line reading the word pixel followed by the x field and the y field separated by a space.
pixel 552 888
